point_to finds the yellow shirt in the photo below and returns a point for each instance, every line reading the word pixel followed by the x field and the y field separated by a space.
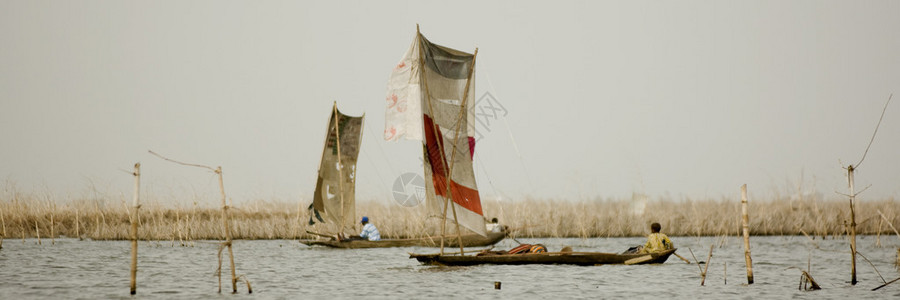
pixel 657 242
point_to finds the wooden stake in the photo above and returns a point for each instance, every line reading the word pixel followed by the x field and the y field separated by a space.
pixel 52 230
pixel 37 230
pixel 134 226
pixel 889 282
pixel 745 220
pixel 852 227
pixel 77 224
pixel 3 221
pixel 708 258
pixel 815 286
pixel 227 225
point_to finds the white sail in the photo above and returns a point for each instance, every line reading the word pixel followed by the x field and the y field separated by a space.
pixel 432 88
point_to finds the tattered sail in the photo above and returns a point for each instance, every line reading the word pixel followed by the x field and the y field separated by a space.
pixel 334 199
pixel 430 98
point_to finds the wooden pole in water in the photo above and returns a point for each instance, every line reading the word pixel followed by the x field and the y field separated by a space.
pixel 37 231
pixel 708 258
pixel 134 226
pixel 852 227
pixel 227 225
pixel 745 220
pixel 51 207
pixel 77 224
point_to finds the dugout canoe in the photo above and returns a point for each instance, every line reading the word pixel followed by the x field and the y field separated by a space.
pixel 545 258
pixel 469 240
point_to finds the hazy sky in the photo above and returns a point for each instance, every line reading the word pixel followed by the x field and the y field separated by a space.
pixel 601 98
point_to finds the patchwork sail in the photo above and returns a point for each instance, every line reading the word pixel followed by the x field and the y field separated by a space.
pixel 334 200
pixel 430 98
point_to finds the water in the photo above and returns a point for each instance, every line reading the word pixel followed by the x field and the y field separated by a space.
pixel 281 269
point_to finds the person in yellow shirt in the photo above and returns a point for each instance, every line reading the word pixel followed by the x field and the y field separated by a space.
pixel 657 241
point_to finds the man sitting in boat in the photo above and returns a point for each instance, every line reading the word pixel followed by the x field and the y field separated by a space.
pixel 369 231
pixel 494 226
pixel 657 241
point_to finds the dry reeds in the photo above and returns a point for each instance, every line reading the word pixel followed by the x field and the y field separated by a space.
pixel 97 218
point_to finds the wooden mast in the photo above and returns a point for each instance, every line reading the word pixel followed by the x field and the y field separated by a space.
pixel 337 134
pixel 462 110
pixel 433 129
pixel 447 167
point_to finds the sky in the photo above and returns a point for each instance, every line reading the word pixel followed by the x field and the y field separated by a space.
pixel 583 100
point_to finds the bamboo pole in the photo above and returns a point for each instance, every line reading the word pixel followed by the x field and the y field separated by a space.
pixel 462 111
pixel 434 130
pixel 883 285
pixel 811 281
pixel 745 220
pixel 4 229
pixel 708 258
pixel 50 207
pixel 37 230
pixel 852 227
pixel 227 225
pixel 77 224
pixel 3 220
pixel 878 234
pixel 337 134
pixel 134 226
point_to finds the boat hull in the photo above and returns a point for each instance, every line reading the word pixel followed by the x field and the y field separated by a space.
pixel 569 258
pixel 469 240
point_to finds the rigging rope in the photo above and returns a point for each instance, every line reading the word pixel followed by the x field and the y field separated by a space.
pixel 508 130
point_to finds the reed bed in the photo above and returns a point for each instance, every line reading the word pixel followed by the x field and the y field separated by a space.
pixel 42 216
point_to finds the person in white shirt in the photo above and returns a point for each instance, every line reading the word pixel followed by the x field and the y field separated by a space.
pixel 494 226
pixel 369 231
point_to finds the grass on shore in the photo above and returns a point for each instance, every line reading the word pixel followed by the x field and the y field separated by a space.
pixel 37 215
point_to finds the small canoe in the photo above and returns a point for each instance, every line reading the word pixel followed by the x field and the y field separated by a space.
pixel 545 258
pixel 469 240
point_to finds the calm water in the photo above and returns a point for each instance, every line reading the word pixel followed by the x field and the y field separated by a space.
pixel 282 269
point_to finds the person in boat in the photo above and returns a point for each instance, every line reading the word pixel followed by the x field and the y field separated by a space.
pixel 494 226
pixel 656 241
pixel 369 231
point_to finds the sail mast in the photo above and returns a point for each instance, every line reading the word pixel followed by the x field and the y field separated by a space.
pixel 340 168
pixel 462 110
pixel 434 130
pixel 447 167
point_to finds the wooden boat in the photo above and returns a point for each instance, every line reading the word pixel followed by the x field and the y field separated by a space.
pixel 432 241
pixel 545 258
